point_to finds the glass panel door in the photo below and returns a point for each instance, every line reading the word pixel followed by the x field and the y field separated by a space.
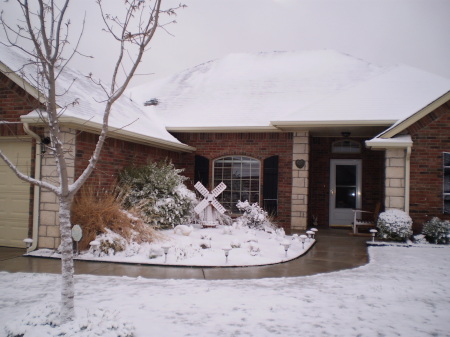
pixel 345 190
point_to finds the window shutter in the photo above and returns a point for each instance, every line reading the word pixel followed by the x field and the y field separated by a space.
pixel 270 185
pixel 201 170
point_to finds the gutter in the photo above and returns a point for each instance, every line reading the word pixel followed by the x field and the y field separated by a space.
pixel 407 177
pixel 37 189
pixel 114 132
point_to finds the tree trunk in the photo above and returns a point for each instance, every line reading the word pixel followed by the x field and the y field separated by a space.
pixel 67 268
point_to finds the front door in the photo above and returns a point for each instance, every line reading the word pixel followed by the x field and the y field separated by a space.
pixel 345 190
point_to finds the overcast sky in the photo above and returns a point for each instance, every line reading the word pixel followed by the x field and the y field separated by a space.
pixel 384 32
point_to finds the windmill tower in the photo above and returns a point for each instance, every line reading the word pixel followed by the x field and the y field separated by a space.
pixel 209 205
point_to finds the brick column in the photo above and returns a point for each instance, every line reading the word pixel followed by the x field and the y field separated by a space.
pixel 49 236
pixel 300 180
pixel 395 179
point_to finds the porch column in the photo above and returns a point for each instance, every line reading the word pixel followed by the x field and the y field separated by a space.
pixel 300 179
pixel 49 236
pixel 395 179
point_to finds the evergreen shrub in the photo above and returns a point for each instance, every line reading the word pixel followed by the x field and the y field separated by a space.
pixel 437 230
pixel 394 225
pixel 156 192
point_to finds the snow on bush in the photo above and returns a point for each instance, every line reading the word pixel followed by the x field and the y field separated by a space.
pixel 254 216
pixel 394 225
pixel 157 193
pixel 44 321
pixel 437 230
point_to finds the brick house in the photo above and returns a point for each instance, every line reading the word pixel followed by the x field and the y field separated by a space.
pixel 329 132
pixel 308 135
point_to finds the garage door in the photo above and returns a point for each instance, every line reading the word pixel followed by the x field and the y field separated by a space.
pixel 14 194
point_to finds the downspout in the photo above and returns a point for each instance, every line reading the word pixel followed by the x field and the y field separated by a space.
pixel 37 189
pixel 407 178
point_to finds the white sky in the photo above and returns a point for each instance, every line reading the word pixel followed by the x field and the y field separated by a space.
pixel 385 32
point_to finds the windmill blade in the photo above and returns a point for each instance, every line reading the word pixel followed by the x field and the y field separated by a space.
pixel 218 206
pixel 201 206
pixel 202 189
pixel 218 189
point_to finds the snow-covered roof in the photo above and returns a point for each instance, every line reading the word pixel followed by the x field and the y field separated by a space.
pixel 394 94
pixel 127 120
pixel 288 90
pixel 251 90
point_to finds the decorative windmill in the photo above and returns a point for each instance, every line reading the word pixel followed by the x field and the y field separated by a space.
pixel 210 205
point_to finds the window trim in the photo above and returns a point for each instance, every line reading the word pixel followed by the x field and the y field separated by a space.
pixel 445 193
pixel 260 176
pixel 346 150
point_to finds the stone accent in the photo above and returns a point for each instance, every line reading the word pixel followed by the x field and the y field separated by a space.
pixel 395 179
pixel 49 207
pixel 300 181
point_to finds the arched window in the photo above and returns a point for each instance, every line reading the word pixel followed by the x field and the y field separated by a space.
pixel 346 146
pixel 242 176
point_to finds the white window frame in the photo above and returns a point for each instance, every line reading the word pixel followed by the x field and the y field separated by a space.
pixel 254 193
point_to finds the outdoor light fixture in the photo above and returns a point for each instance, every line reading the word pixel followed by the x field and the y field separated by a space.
pixel 226 250
pixel 166 250
pixel 28 242
pixel 303 238
pixel 286 245
pixel 373 232
pixel 346 134
pixel 300 163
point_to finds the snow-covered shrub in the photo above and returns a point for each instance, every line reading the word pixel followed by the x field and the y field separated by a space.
pixel 157 193
pixel 437 230
pixel 254 216
pixel 111 243
pixel 394 225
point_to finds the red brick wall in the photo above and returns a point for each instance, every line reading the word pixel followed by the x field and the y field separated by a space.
pixel 256 145
pixel 14 102
pixel 319 176
pixel 431 137
pixel 116 155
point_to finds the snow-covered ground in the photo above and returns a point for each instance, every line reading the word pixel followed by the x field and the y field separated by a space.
pixel 401 292
pixel 204 247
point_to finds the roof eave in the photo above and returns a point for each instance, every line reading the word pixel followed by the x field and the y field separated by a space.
pixel 118 133
pixel 395 130
pixel 393 144
pixel 306 125
pixel 222 129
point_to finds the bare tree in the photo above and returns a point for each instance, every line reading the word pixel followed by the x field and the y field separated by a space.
pixel 43 34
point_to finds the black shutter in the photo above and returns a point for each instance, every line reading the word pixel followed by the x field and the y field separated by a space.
pixel 201 170
pixel 270 185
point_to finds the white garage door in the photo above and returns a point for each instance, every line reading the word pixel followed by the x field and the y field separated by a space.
pixel 14 193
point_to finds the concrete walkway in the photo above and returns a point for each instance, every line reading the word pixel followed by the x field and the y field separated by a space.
pixel 335 250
